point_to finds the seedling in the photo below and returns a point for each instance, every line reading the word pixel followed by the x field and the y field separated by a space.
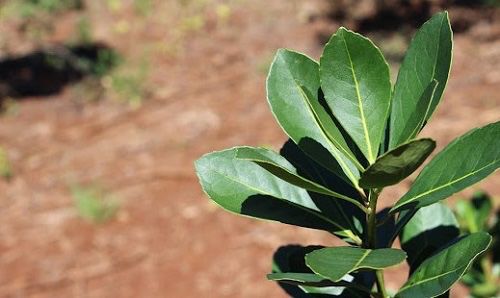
pixel 5 167
pixel 351 135
pixel 93 203
pixel 128 84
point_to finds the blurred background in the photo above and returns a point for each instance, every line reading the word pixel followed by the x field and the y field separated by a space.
pixel 105 104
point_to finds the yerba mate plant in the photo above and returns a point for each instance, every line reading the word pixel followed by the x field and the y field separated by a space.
pixel 352 134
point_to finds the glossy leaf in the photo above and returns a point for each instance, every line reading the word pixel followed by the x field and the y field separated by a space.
pixel 335 262
pixel 438 273
pixel 310 279
pixel 331 128
pixel 397 164
pixel 428 230
pixel 313 283
pixel 345 214
pixel 292 86
pixel 280 167
pixel 417 121
pixel 465 161
pixel 294 277
pixel 245 188
pixel 421 79
pixel 355 80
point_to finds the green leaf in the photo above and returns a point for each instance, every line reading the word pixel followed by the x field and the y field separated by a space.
pixel 414 125
pixel 313 283
pixel 345 214
pixel 331 128
pixel 397 164
pixel 245 188
pixel 428 230
pixel 335 262
pixel 292 274
pixel 280 167
pixel 465 161
pixel 355 80
pixel 421 79
pixel 308 279
pixel 292 88
pixel 438 273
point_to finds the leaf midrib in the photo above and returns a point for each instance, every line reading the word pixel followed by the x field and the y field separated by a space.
pixel 360 103
pixel 448 272
pixel 348 232
pixel 331 138
pixel 446 184
pixel 338 158
pixel 346 218
pixel 431 278
pixel 365 254
pixel 324 190
pixel 344 167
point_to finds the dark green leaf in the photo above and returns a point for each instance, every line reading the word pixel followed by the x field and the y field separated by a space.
pixel 438 273
pixel 294 277
pixel 422 78
pixel 415 124
pixel 245 188
pixel 344 213
pixel 428 230
pixel 310 279
pixel 335 262
pixel 280 167
pixel 330 127
pixel 314 283
pixel 397 164
pixel 385 228
pixel 292 88
pixel 355 80
pixel 465 161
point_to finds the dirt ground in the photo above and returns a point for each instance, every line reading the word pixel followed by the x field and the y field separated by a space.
pixel 167 239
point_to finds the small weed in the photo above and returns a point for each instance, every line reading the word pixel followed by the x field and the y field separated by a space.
pixel 5 167
pixel 223 12
pixel 143 7
pixel 106 60
pixel 193 23
pixel 114 5
pixel 84 31
pixel 93 203
pixel 9 107
pixel 127 83
pixel 32 8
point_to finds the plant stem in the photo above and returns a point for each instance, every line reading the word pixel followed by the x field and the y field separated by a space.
pixel 379 274
pixel 371 241
pixel 371 220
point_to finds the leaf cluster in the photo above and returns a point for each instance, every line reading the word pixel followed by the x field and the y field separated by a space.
pixel 351 134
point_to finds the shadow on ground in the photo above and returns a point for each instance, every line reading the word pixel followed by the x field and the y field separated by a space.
pixel 47 71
